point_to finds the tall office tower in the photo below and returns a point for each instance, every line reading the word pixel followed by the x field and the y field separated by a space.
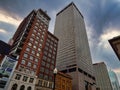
pixel 102 77
pixel 73 55
pixel 35 48
pixel 114 80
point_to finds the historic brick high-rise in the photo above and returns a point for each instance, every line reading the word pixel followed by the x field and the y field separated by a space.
pixel 73 55
pixel 35 48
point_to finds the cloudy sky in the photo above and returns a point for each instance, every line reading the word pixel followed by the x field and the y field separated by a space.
pixel 102 19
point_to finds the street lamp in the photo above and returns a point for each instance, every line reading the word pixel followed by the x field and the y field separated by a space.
pixel 54 72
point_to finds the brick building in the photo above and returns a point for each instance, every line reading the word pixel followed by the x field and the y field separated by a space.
pixel 35 48
pixel 63 81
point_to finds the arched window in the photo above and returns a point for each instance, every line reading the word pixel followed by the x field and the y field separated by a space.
pixel 22 87
pixel 29 88
pixel 14 87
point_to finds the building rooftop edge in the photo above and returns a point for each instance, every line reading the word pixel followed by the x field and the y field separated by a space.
pixel 98 63
pixel 53 35
pixel 45 13
pixel 111 43
pixel 72 3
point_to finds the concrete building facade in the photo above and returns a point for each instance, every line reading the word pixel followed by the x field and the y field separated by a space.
pixel 35 48
pixel 73 50
pixel 115 43
pixel 102 76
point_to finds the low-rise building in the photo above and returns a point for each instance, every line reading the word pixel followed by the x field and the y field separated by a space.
pixel 63 81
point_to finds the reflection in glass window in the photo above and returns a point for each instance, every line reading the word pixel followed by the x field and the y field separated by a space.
pixel 31 57
pixel 29 64
pixel 36 60
pixel 25 55
pixel 29 44
pixel 34 66
pixel 37 54
pixel 23 62
pixel 43 63
pixel 28 49
pixel 42 69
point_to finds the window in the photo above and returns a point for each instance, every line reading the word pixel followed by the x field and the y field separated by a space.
pixel 31 57
pixel 40 30
pixel 51 42
pixel 54 48
pixel 25 78
pixel 22 87
pixel 46 48
pixel 47 43
pixel 48 59
pixel 29 64
pixel 51 46
pixel 50 78
pixel 45 52
pixel 37 38
pixel 50 50
pixel 49 55
pixel 41 40
pixel 41 75
pixel 39 49
pixel 48 40
pixel 34 47
pixel 31 39
pixel 28 49
pixel 44 57
pixel 23 62
pixel 47 65
pixel 52 61
pixel 29 44
pixel 52 67
pixel 50 85
pixel 25 55
pixel 46 71
pixel 53 57
pixel 33 35
pixel 46 77
pixel 42 36
pixel 43 63
pixel 42 69
pixel 14 87
pixel 18 76
pixel 31 80
pixel 36 60
pixel 40 82
pixel 38 34
pixel 34 66
pixel 33 52
pixel 36 42
pixel 37 54
pixel 29 88
pixel 36 27
pixel 32 72
pixel 40 45
pixel 34 31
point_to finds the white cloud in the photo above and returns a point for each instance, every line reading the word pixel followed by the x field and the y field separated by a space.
pixel 3 31
pixel 117 70
pixel 8 19
pixel 108 34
